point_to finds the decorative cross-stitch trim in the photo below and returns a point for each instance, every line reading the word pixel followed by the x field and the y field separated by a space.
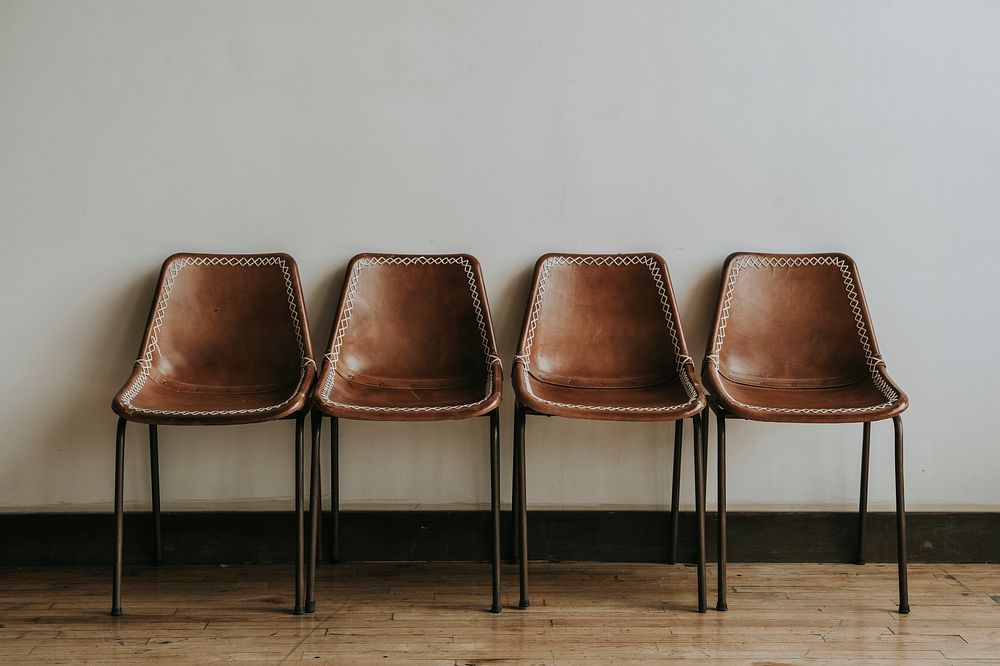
pixel 872 360
pixel 609 260
pixel 145 362
pixel 333 356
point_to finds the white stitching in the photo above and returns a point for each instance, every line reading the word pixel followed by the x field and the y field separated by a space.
pixel 145 362
pixel 608 260
pixel 333 356
pixel 872 360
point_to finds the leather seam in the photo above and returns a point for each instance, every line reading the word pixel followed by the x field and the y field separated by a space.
pixel 333 356
pixel 609 260
pixel 872 360
pixel 145 362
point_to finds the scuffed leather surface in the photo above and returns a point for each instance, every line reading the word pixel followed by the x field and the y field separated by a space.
pixel 600 347
pixel 412 348
pixel 226 343
pixel 793 344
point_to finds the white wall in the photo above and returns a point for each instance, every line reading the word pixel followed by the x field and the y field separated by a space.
pixel 131 130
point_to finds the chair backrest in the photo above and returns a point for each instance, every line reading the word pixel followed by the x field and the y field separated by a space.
pixel 413 321
pixel 606 320
pixel 792 320
pixel 226 323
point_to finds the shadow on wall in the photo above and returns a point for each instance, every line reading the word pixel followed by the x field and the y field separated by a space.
pixel 119 321
pixel 75 440
pixel 508 313
pixel 698 315
pixel 324 300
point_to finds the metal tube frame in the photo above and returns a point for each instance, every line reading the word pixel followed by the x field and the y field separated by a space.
pixel 866 440
pixel 316 493
pixel 154 484
pixel 334 556
pixel 675 491
pixel 154 470
pixel 495 505
pixel 315 508
pixel 520 510
pixel 897 422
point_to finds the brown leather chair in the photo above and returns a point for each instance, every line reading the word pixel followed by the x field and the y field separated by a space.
pixel 413 341
pixel 793 342
pixel 226 343
pixel 602 339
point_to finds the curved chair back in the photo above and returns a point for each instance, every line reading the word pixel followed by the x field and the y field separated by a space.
pixel 793 321
pixel 227 323
pixel 413 321
pixel 602 321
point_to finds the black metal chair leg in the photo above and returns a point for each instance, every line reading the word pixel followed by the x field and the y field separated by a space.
pixel 315 495
pixel 866 439
pixel 675 490
pixel 699 502
pixel 116 584
pixel 495 503
pixel 515 512
pixel 334 489
pixel 721 454
pixel 904 597
pixel 704 451
pixel 522 507
pixel 154 482
pixel 299 519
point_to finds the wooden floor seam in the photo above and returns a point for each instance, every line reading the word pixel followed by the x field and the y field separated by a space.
pixel 437 613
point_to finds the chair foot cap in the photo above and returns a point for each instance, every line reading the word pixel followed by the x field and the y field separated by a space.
pixel 904 610
pixel 860 561
pixel 116 612
pixel 722 607
pixel 310 606
pixel 495 609
pixel 702 608
pixel 524 603
pixel 298 611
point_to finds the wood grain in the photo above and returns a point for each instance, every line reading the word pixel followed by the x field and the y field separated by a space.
pixel 582 613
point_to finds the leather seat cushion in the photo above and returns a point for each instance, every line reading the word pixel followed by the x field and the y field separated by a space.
pixel 665 401
pixel 156 403
pixel 354 400
pixel 858 402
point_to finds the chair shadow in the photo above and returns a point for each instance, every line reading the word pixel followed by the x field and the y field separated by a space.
pixel 73 431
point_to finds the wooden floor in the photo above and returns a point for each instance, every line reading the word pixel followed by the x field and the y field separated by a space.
pixel 582 613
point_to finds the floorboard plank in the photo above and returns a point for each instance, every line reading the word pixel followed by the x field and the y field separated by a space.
pixel 429 614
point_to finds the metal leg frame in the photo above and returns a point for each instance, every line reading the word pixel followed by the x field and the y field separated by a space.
pixel 520 513
pixel 675 490
pixel 904 597
pixel 300 521
pixel 315 499
pixel 522 504
pixel 334 490
pixel 699 499
pixel 154 483
pixel 515 498
pixel 866 440
pixel 897 422
pixel 154 478
pixel 495 504
pixel 316 494
pixel 116 584
pixel 721 454
pixel 116 577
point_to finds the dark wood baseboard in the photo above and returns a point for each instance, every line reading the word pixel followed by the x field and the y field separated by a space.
pixel 612 536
